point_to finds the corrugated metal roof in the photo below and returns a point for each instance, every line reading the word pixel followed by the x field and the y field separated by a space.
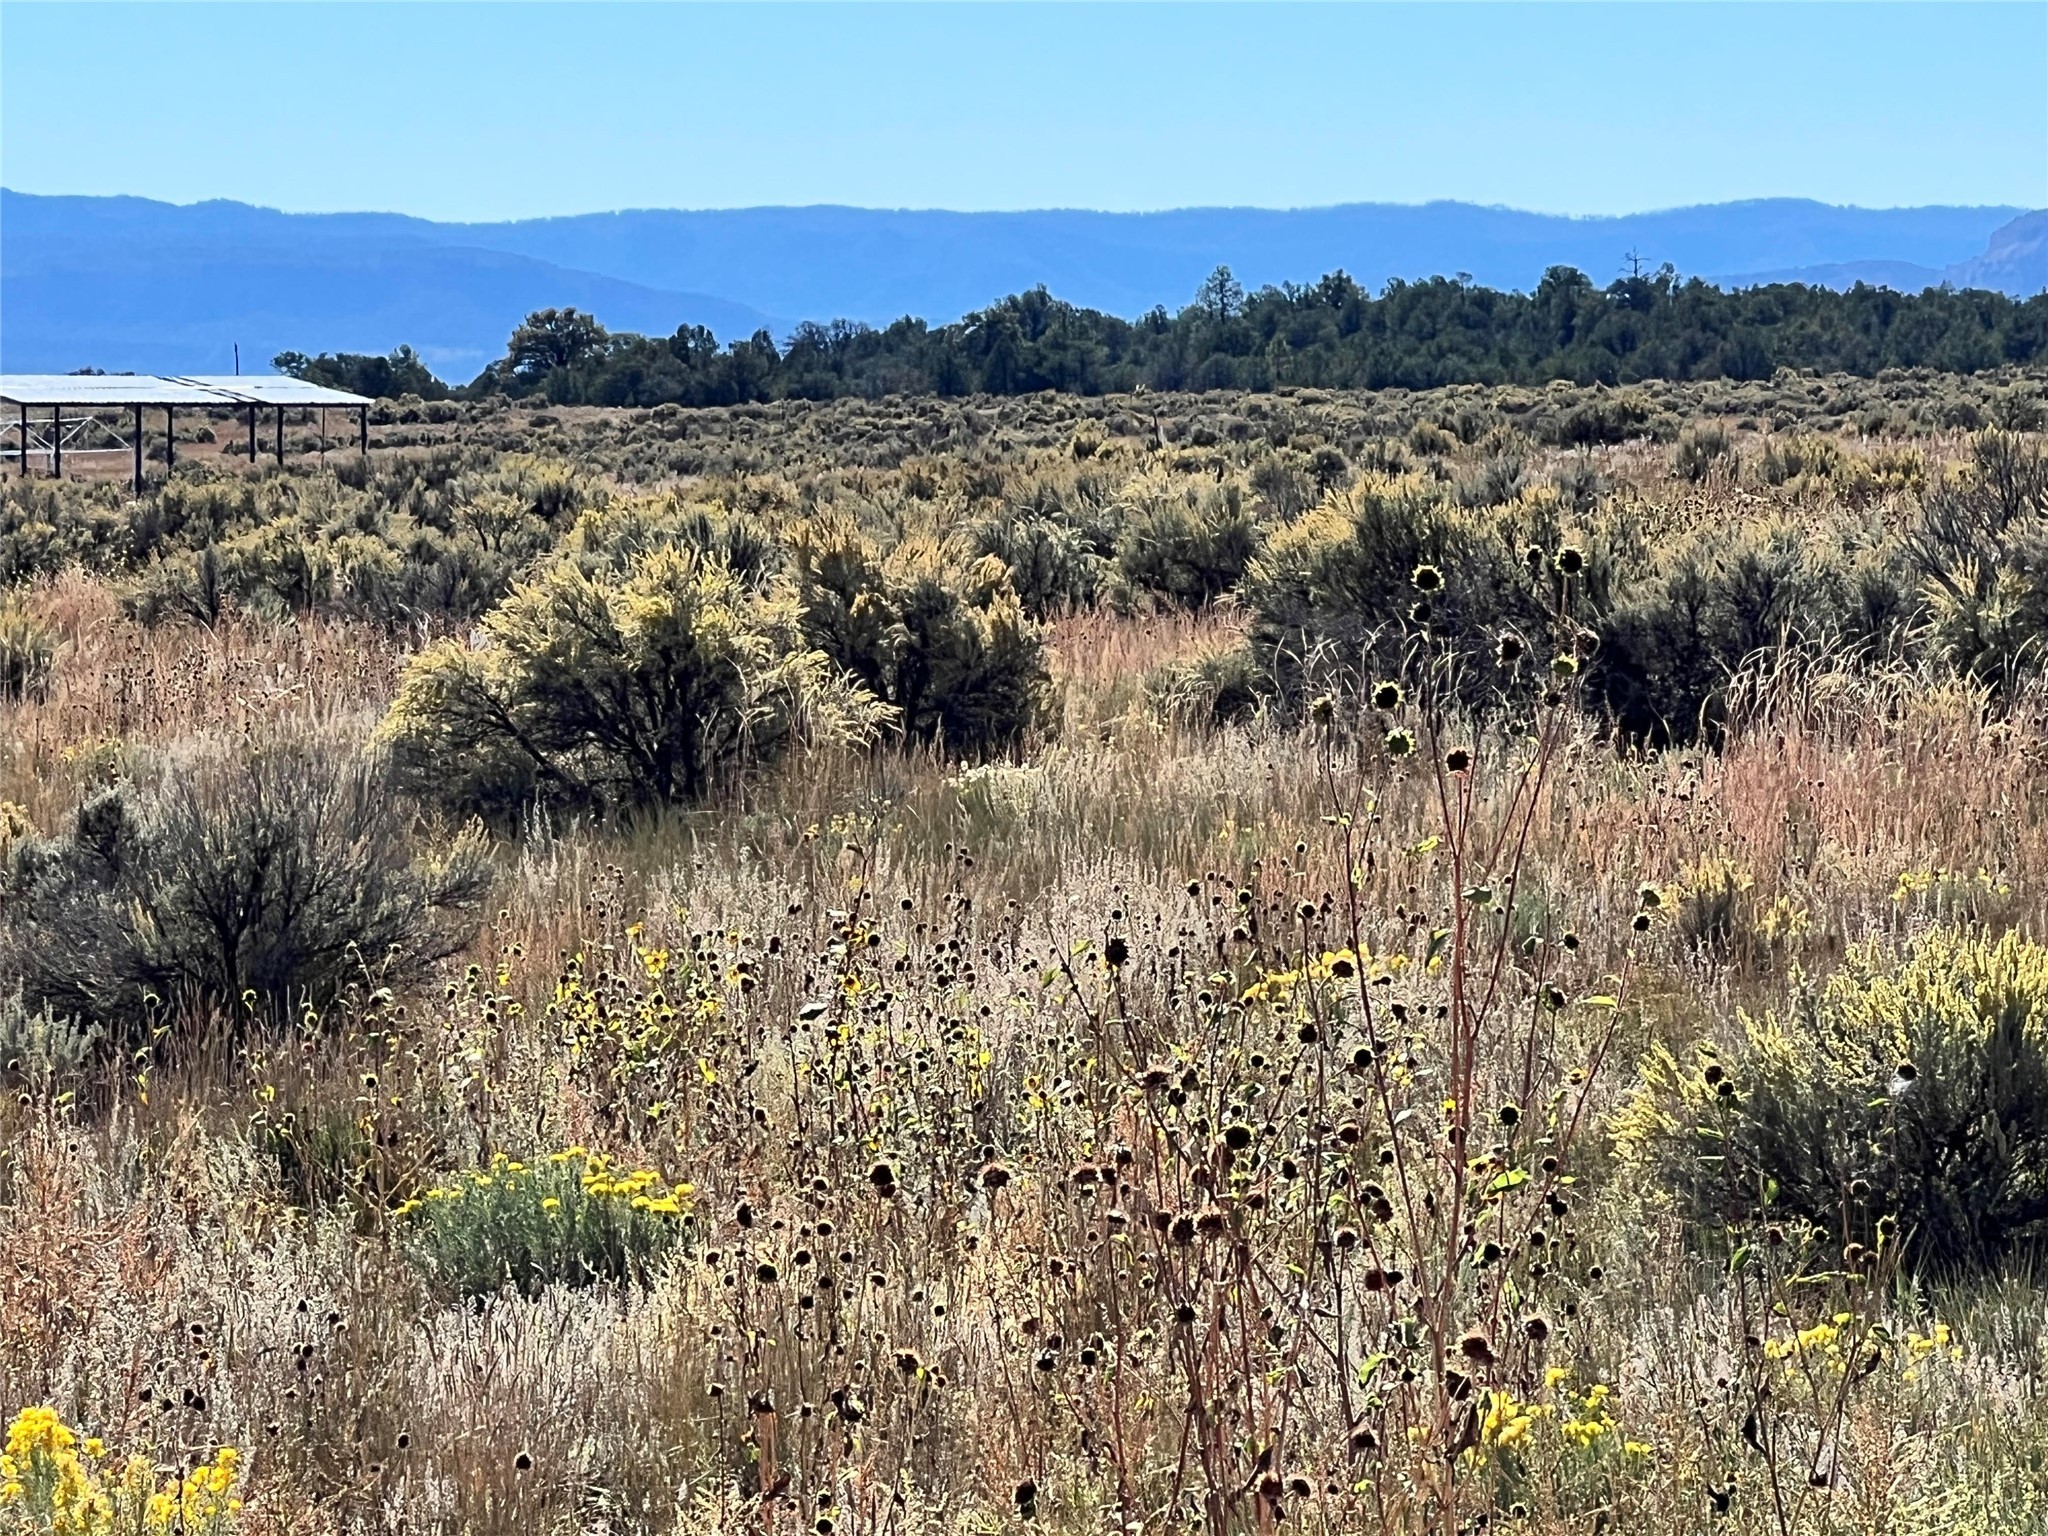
pixel 109 390
pixel 104 389
pixel 274 389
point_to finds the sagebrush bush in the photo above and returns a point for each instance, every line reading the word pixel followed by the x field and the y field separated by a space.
pixel 1909 1087
pixel 438 540
pixel 49 526
pixel 1054 566
pixel 1682 630
pixel 247 882
pixel 934 633
pixel 619 693
pixel 1431 439
pixel 569 1218
pixel 1699 449
pixel 1213 688
pixel 39 1049
pixel 1981 547
pixel 1605 418
pixel 1185 541
pixel 609 539
pixel 1332 593
pixel 1800 456
pixel 1056 535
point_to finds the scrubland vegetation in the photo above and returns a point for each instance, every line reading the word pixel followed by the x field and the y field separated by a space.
pixel 1401 962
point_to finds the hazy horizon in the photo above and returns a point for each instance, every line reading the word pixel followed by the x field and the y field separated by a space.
pixel 1426 202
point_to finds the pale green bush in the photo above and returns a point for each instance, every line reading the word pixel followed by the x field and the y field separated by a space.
pixel 569 1218
pixel 1905 1099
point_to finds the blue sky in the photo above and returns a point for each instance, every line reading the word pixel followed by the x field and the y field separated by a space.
pixel 484 111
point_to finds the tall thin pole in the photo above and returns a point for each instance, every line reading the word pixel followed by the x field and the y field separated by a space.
pixel 57 441
pixel 362 428
pixel 138 450
pixel 280 437
pixel 24 442
pixel 252 434
pixel 170 439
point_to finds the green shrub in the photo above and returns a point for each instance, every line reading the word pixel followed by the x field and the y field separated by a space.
pixel 1500 480
pixel 28 652
pixel 1287 482
pixel 1054 566
pixel 1676 635
pixel 2019 409
pixel 1382 456
pixel 568 1219
pixel 435 539
pixel 47 526
pixel 38 1049
pixel 247 881
pixel 1699 449
pixel 529 488
pixel 609 539
pixel 1056 535
pixel 1430 440
pixel 1214 688
pixel 1660 634
pixel 939 636
pixel 1186 540
pixel 1981 546
pixel 1331 593
pixel 1912 1086
pixel 619 693
pixel 1606 418
pixel 1805 456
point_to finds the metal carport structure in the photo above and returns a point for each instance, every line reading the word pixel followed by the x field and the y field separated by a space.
pixel 95 392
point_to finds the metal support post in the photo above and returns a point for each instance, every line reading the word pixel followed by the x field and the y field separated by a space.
pixel 252 434
pixel 280 437
pixel 363 428
pixel 57 442
pixel 138 450
pixel 24 442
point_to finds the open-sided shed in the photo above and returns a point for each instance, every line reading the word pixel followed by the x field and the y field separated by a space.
pixel 91 394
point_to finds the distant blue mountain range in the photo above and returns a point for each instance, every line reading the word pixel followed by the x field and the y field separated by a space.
pixel 128 283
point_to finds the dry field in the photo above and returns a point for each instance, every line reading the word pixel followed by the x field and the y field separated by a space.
pixel 1344 1114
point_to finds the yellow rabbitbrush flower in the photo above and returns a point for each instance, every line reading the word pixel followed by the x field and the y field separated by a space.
pixel 1577 1426
pixel 1508 1421
pixel 1938 1343
pixel 1822 1339
pixel 571 1217
pixel 47 1488
pixel 1591 1423
pixel 1333 965
pixel 1927 1343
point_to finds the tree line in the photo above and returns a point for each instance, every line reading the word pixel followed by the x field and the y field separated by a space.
pixel 1333 334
